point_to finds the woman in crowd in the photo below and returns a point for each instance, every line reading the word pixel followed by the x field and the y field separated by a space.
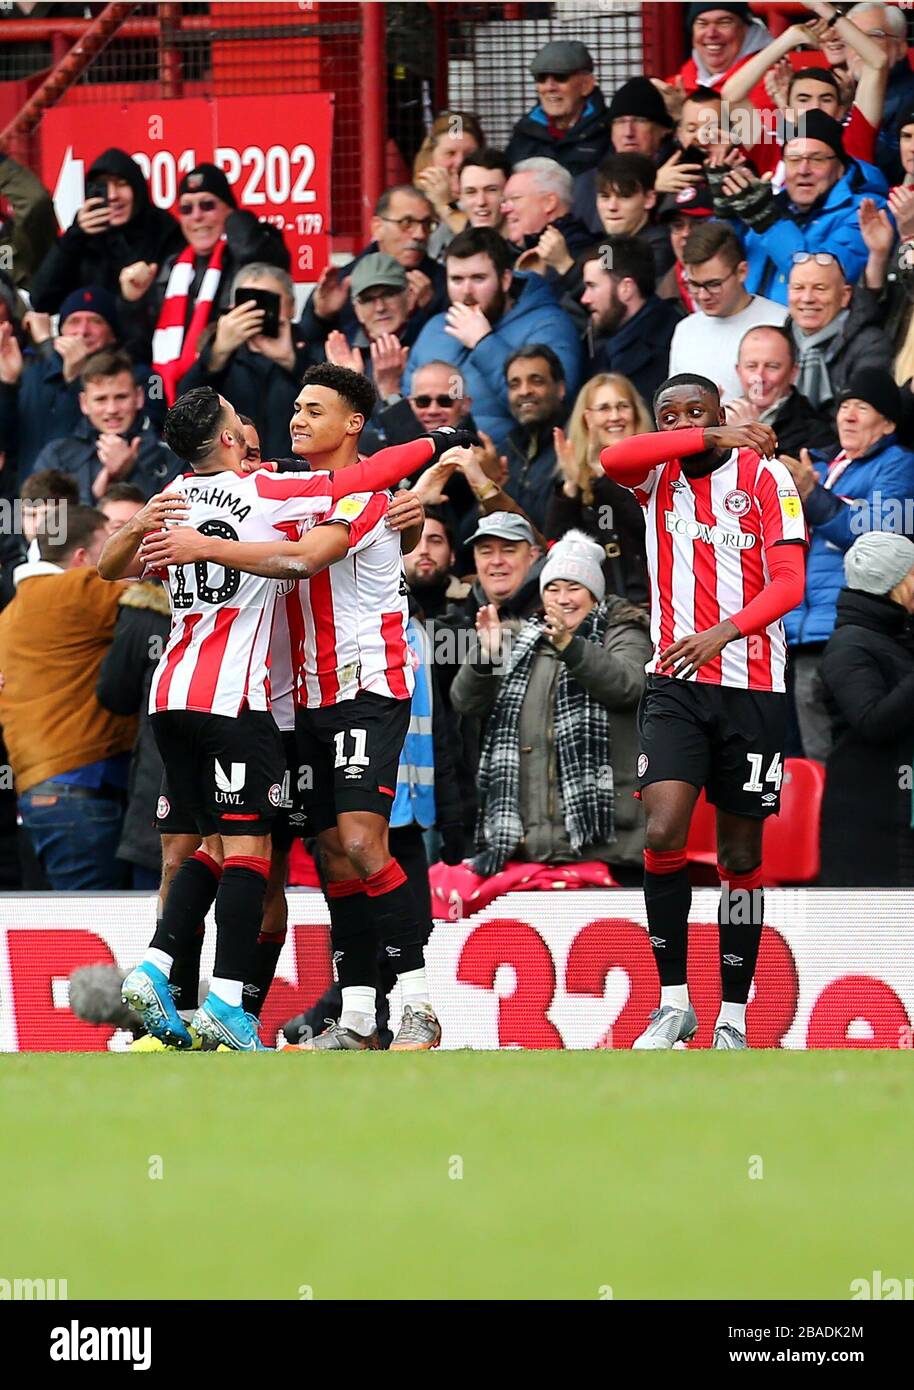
pixel 436 170
pixel 868 673
pixel 557 769
pixel 608 408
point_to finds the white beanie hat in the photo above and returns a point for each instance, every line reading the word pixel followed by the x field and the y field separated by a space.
pixel 877 561
pixel 579 559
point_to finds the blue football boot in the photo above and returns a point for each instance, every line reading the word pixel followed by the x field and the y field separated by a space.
pixel 146 991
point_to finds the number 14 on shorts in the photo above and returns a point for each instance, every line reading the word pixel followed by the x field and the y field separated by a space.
pixel 773 776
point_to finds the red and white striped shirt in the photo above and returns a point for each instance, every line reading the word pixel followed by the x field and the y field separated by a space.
pixel 707 544
pixel 217 656
pixel 350 634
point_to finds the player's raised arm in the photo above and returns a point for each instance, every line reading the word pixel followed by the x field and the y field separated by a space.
pixel 390 466
pixel 630 460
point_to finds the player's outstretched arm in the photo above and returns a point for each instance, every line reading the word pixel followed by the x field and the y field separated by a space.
pixel 630 461
pixel 301 559
pixel 118 559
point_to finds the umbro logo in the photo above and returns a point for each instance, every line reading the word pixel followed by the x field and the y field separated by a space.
pixel 733 960
pixel 658 941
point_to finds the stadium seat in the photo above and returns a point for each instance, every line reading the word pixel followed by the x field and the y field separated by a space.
pixel 791 843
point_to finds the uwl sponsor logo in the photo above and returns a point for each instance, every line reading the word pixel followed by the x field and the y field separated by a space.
pixel 22 1289
pixel 75 1343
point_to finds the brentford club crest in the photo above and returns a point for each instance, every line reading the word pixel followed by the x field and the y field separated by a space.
pixel 642 764
pixel 274 795
pixel 163 806
pixel 737 502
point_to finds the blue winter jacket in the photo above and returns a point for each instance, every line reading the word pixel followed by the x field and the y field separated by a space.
pixel 535 317
pixel 870 495
pixel 832 227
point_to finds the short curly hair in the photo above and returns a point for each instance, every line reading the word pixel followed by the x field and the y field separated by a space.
pixel 192 424
pixel 355 389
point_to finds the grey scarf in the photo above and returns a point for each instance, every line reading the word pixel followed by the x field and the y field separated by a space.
pixel 814 381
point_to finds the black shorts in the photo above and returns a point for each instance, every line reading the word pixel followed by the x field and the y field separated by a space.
pixel 728 741
pixel 349 755
pixel 291 818
pixel 224 776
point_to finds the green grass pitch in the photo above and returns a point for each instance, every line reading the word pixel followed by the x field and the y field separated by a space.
pixel 581 1171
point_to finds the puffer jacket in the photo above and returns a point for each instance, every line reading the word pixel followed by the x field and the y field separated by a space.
pixel 534 317
pixel 612 674
pixel 833 227
pixel 869 496
pixel 582 147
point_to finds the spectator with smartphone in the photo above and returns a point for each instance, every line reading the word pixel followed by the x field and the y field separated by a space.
pixel 116 226
pixel 255 357
pixel 171 303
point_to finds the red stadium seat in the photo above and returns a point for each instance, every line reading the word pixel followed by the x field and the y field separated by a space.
pixel 791 843
pixel 791 840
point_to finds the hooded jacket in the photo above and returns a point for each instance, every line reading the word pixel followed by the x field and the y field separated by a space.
pixel 28 223
pixel 883 477
pixel 534 317
pixel 77 455
pixel 832 225
pixel 152 234
pixel 868 673
pixel 579 148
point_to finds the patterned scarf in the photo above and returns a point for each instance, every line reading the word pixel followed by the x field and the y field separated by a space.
pixel 173 350
pixel 814 381
pixel 583 754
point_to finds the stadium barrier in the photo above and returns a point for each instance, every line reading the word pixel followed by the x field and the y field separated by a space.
pixel 532 970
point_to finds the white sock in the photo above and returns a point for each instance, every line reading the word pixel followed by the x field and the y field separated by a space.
pixel 358 1013
pixel 674 996
pixel 229 991
pixel 732 1013
pixel 161 959
pixel 413 986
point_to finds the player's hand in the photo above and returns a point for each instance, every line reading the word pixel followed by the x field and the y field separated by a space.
pixel 164 509
pixel 93 217
pixel 406 510
pixel 341 354
pixel 118 455
pixel 451 437
pixel 761 438
pixel 803 472
pixel 135 279
pixel 467 323
pixel 687 655
pixel 556 626
pixel 330 293
pixel 180 546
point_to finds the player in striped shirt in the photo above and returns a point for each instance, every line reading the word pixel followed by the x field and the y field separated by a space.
pixel 353 695
pixel 726 554
pixel 210 703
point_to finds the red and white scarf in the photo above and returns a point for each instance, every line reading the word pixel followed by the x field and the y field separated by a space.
pixel 173 349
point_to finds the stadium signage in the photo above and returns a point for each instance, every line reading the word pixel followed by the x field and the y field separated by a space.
pixel 531 970
pixel 282 179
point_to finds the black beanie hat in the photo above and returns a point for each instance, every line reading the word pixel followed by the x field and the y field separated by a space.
pixel 208 178
pixel 905 118
pixel 877 387
pixel 742 12
pixel 815 125
pixel 639 97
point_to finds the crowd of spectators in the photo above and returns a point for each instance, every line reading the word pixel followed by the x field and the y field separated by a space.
pixel 750 217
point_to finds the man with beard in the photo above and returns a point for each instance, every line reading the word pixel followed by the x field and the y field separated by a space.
pixel 492 313
pixel 430 567
pixel 631 328
pixel 536 391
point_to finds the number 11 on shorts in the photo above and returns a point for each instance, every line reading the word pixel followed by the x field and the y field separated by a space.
pixel 359 757
pixel 774 774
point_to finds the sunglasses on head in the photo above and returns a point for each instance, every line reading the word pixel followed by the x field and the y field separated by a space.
pixel 423 402
pixel 820 258
pixel 204 205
